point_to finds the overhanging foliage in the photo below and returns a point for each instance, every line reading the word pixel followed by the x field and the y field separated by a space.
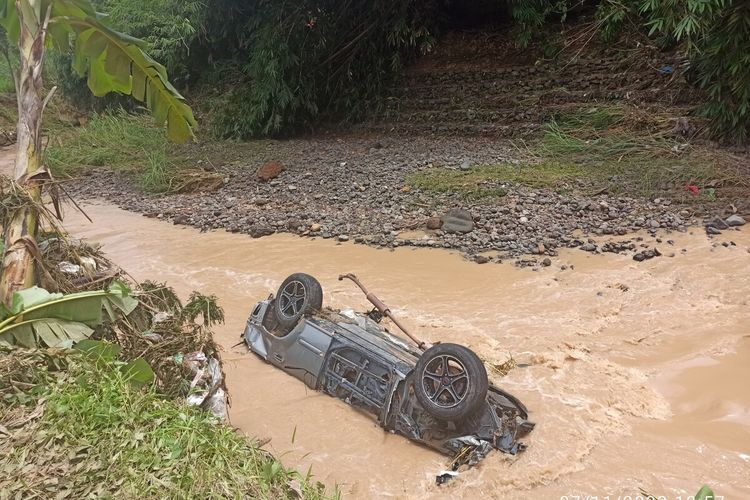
pixel 115 62
pixel 297 63
pixel 281 67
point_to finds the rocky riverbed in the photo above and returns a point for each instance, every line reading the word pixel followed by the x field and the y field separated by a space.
pixel 357 189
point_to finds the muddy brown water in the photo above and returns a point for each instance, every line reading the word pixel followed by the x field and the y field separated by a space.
pixel 637 374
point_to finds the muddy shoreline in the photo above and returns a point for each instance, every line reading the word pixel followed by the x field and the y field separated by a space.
pixel 357 189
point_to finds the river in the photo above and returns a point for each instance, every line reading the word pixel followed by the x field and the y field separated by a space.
pixel 635 373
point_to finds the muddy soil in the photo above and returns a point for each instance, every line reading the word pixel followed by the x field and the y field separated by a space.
pixel 634 372
pixel 480 83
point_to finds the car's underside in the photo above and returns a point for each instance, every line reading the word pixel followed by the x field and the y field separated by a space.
pixel 439 397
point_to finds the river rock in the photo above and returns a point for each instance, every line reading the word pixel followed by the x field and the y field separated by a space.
pixel 270 170
pixel 718 223
pixel 434 223
pixel 260 231
pixel 735 220
pixel 458 221
pixel 647 254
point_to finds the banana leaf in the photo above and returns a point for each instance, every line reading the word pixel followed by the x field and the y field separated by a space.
pixel 38 317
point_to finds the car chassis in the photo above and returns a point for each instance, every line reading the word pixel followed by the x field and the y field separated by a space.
pixel 352 357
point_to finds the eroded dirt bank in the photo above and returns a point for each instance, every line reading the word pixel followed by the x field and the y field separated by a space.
pixel 636 372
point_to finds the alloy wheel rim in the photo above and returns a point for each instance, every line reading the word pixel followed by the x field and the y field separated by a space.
pixel 445 381
pixel 292 299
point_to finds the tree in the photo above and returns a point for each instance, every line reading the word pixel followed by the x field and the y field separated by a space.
pixel 115 62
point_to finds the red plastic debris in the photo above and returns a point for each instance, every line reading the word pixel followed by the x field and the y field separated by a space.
pixel 694 190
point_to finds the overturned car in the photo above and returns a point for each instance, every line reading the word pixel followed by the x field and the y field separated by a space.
pixel 437 395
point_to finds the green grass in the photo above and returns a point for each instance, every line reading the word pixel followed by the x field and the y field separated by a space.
pixel 8 112
pixel 592 150
pixel 596 118
pixel 121 142
pixel 8 106
pixel 6 79
pixel 76 428
pixel 485 181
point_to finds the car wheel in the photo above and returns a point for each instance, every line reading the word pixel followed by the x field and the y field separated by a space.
pixel 450 381
pixel 299 294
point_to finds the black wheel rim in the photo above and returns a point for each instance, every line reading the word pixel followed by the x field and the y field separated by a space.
pixel 445 381
pixel 292 299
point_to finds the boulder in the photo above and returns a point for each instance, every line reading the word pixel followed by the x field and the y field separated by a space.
pixel 735 220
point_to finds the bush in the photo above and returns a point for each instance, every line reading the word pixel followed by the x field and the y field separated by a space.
pixel 285 66
pixel 308 61
pixel 713 34
pixel 533 15
pixel 716 37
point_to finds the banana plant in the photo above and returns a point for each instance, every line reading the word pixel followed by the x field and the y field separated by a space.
pixel 114 62
pixel 37 317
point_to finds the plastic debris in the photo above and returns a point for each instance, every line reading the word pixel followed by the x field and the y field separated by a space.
pixel 212 396
pixel 154 337
pixel 88 263
pixel 445 476
pixel 161 317
pixel 69 267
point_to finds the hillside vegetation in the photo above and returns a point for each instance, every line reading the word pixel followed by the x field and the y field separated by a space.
pixel 265 68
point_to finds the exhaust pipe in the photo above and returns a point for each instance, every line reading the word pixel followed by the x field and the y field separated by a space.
pixel 384 309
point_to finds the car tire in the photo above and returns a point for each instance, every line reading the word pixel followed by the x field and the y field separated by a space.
pixel 299 295
pixel 450 381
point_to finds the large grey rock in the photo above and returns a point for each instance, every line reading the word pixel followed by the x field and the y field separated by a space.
pixel 735 220
pixel 588 247
pixel 458 221
pixel 260 231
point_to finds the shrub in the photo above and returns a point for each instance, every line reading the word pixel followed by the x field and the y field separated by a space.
pixel 713 34
pixel 716 37
pixel 307 60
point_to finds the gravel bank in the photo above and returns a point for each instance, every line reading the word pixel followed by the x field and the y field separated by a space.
pixel 356 189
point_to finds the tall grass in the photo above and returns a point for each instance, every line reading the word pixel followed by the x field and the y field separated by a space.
pixel 6 80
pixel 95 435
pixel 118 141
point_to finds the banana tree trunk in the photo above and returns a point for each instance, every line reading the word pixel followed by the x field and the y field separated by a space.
pixel 20 231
